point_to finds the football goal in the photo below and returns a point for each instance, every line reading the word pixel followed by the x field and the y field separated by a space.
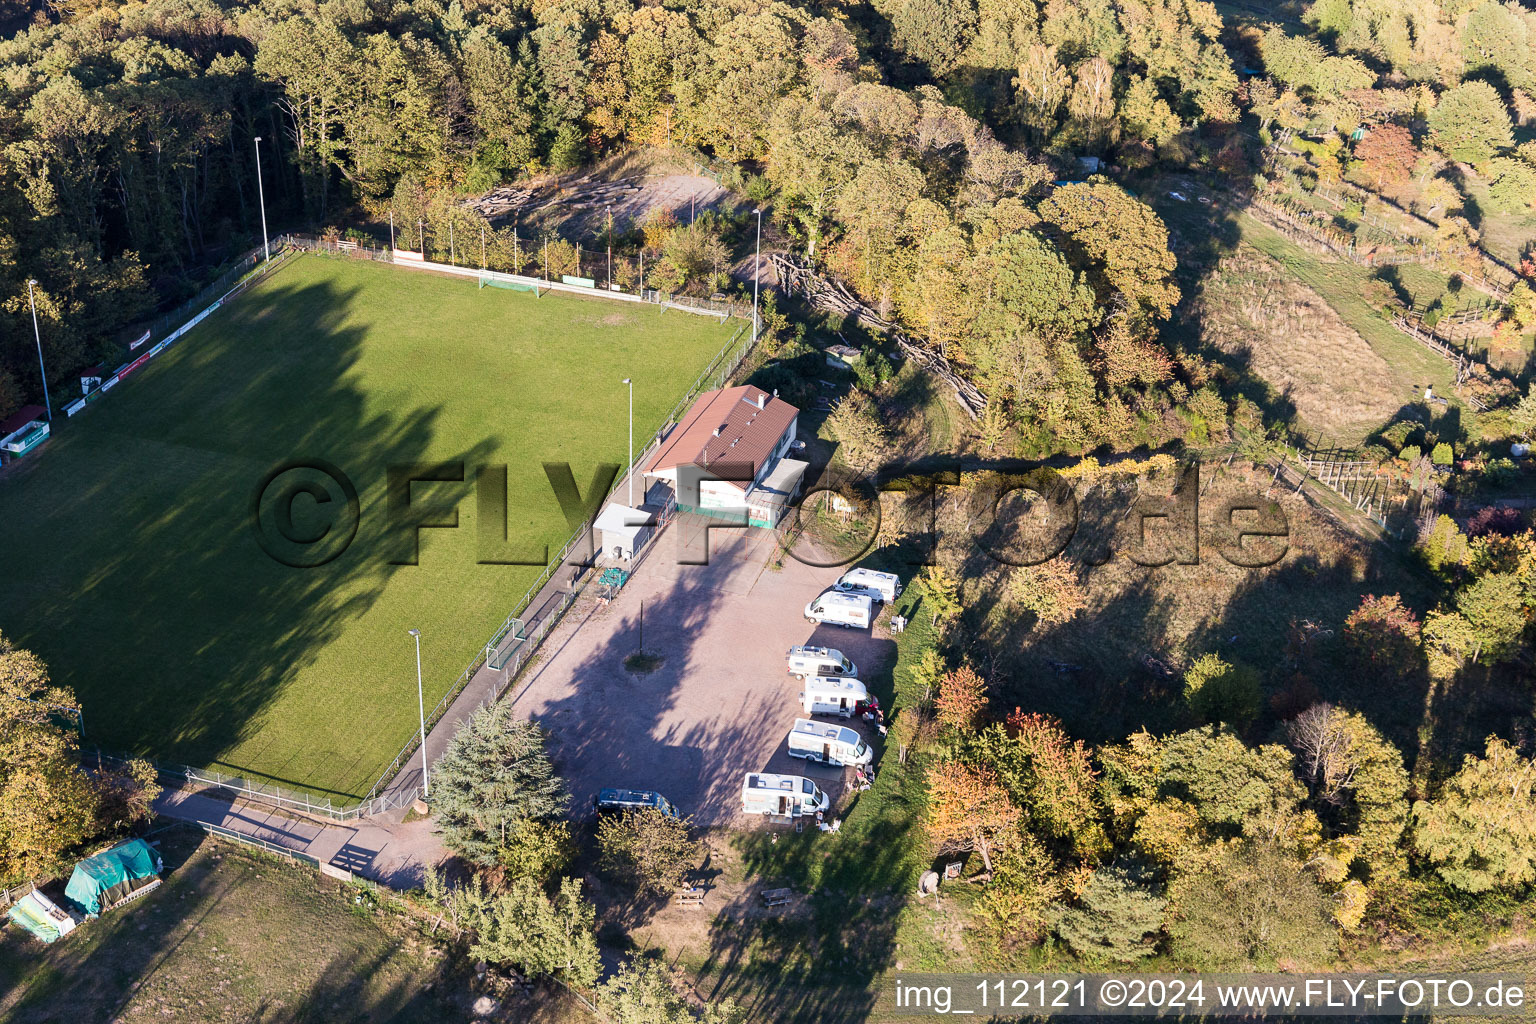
pixel 491 281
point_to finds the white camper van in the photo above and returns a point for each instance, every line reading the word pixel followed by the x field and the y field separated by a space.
pixel 786 796
pixel 835 608
pixel 832 695
pixel 819 661
pixel 828 743
pixel 881 586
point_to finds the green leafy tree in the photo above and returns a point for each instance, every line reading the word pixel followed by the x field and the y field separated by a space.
pixel 1122 242
pixel 1479 831
pixel 652 850
pixel 1118 919
pixel 537 848
pixel 934 32
pixel 495 774
pixel 859 429
pixel 641 992
pixel 48 805
pixel 1357 773
pixel 941 590
pixel 1235 789
pixel 1513 189
pixel 1471 123
pixel 1445 548
pixel 1522 418
pixel 1218 692
pixel 544 936
pixel 1255 908
pixel 692 255
pixel 1494 605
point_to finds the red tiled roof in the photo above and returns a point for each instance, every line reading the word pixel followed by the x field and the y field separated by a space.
pixel 26 414
pixel 740 424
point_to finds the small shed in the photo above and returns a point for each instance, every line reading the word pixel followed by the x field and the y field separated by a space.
pixel 91 378
pixel 843 356
pixel 24 431
pixel 620 531
pixel 113 877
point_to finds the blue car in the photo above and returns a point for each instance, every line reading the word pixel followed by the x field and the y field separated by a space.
pixel 616 800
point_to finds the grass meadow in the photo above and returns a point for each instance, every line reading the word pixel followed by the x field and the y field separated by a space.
pixel 134 570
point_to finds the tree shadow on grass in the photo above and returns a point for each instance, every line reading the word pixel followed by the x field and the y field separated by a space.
pixel 142 582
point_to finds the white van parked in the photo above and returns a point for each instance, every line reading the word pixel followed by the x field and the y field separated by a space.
pixel 835 608
pixel 881 586
pixel 819 661
pixel 786 796
pixel 828 743
pixel 832 695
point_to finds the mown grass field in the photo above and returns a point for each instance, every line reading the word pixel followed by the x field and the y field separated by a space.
pixel 134 569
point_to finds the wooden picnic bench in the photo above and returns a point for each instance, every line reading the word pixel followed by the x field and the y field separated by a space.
pixel 776 897
pixel 690 897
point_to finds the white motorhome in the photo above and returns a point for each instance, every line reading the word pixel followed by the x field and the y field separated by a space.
pixel 832 695
pixel 835 608
pixel 784 796
pixel 828 743
pixel 881 586
pixel 819 661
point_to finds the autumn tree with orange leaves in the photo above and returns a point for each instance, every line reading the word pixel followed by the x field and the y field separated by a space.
pixel 968 808
pixel 962 698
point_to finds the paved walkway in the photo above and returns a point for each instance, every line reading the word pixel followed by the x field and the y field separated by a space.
pixel 395 854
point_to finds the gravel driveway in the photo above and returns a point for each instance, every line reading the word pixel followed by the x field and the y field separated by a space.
pixel 721 702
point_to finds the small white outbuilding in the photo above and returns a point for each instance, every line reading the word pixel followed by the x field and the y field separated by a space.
pixel 620 531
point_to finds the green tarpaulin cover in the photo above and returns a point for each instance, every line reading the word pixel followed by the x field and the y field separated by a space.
pixel 111 875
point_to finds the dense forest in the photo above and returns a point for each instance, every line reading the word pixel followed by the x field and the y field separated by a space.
pixel 910 148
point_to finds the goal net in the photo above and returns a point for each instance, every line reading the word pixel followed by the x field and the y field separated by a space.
pixel 488 281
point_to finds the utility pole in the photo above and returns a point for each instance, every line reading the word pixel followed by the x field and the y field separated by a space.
pixel 546 259
pixel 261 195
pixel 453 254
pixel 421 237
pixel 47 402
pixel 610 246
pixel 631 384
pixel 482 245
pixel 391 228
pixel 757 259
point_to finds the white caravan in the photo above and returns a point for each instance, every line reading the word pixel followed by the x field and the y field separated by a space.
pixel 828 743
pixel 832 695
pixel 881 586
pixel 819 661
pixel 835 608
pixel 784 796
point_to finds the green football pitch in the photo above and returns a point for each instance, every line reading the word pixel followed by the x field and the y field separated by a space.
pixel 133 568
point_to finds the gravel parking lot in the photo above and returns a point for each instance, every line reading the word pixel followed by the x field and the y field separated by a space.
pixel 721 702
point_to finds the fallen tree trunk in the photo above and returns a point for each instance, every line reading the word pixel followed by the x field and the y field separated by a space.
pixel 833 297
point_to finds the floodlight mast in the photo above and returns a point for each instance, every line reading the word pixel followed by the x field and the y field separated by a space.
pixel 421 710
pixel 631 384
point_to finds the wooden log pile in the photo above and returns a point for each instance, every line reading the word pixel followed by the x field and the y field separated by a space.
pixel 833 297
pixel 579 194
